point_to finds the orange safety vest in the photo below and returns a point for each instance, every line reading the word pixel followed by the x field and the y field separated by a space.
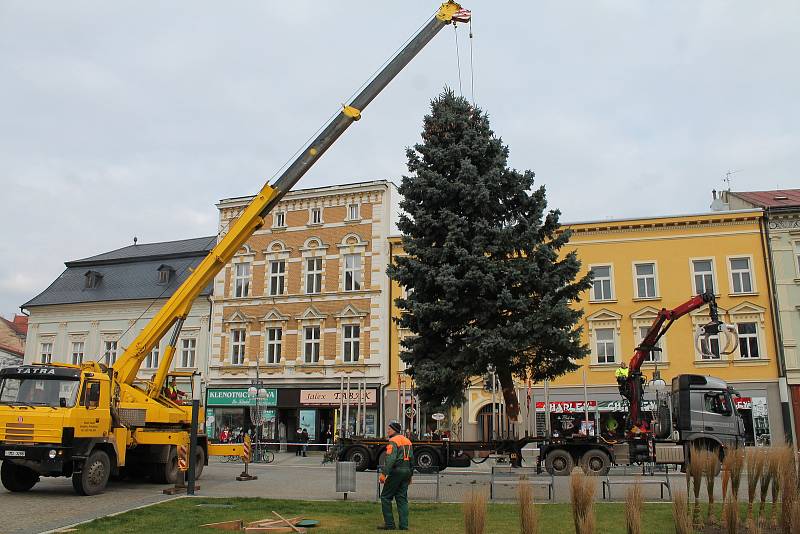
pixel 403 442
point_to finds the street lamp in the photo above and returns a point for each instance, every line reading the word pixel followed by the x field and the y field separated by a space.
pixel 193 433
pixel 258 399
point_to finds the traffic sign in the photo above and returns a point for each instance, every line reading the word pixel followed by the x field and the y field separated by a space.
pixel 438 417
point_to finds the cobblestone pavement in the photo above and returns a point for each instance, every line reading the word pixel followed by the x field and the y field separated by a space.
pixel 52 503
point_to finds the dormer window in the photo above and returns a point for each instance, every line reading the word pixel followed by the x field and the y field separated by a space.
pixel 92 279
pixel 165 274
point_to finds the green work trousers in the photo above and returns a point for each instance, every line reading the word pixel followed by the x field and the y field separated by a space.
pixel 396 487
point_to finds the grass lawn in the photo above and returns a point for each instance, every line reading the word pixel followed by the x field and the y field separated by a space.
pixel 184 515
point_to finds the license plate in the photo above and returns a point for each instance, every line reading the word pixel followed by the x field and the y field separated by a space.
pixel 16 454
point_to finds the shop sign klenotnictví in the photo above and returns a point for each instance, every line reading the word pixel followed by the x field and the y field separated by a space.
pixel 238 397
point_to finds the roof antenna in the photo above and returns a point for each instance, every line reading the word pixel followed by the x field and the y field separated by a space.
pixel 727 178
pixel 135 239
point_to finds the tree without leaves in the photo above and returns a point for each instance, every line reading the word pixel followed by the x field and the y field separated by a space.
pixel 486 284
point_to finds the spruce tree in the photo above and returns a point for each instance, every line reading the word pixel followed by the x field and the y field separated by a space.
pixel 485 283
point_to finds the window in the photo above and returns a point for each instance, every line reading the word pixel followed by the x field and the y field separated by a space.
pixel 280 219
pixel 717 403
pixel 353 212
pixel 316 216
pixel 352 272
pixel 274 337
pixel 712 352
pixel 741 276
pixel 151 360
pixel 748 340
pixel 601 283
pixel 237 346
pixel 606 346
pixel 352 345
pixel 46 354
pixel 645 275
pixel 277 277
pixel 188 352
pixel 313 275
pixel 92 279
pixel 241 281
pixel 797 256
pixel 652 356
pixel 110 352
pixel 703 276
pixel 311 344
pixel 77 352
pixel 163 276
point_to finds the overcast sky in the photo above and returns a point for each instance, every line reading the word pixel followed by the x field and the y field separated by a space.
pixel 122 119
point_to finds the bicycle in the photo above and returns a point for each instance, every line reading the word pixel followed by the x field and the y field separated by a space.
pixel 264 456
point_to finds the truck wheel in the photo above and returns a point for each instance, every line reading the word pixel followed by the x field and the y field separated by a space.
pixel 17 478
pixel 167 473
pixel 559 463
pixel 360 456
pixel 199 462
pixel 595 462
pixel 94 475
pixel 426 459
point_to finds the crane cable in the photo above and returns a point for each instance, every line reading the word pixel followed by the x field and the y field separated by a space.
pixel 471 63
pixel 458 60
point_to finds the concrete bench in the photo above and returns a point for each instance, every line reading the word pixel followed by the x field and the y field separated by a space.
pixel 420 477
pixel 647 477
pixel 514 476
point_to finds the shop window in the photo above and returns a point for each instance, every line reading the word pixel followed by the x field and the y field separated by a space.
pixel 741 275
pixel 748 340
pixel 311 339
pixel 274 342
pixel 238 338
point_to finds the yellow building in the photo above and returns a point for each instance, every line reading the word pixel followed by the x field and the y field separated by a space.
pixel 640 266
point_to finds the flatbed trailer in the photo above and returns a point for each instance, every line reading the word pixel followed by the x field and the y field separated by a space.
pixel 368 453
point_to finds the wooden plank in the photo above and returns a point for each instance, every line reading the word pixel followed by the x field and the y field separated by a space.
pixel 270 530
pixel 236 524
pixel 287 522
pixel 272 522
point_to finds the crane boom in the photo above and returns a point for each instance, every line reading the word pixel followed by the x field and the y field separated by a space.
pixel 177 307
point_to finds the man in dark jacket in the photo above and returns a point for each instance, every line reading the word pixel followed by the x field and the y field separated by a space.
pixel 396 476
pixel 304 441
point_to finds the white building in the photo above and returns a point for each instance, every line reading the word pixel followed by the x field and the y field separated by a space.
pixel 98 305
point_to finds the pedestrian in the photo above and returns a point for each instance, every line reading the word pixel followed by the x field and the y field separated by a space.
pixel 304 441
pixel 298 449
pixel 328 438
pixel 395 477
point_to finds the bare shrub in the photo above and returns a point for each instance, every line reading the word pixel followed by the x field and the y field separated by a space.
pixel 633 509
pixel 697 462
pixel 475 513
pixel 582 490
pixel 787 474
pixel 680 513
pixel 710 468
pixel 730 515
pixel 528 515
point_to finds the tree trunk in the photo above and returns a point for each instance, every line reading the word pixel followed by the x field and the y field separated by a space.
pixel 509 395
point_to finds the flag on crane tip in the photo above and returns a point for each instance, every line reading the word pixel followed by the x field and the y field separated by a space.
pixel 462 15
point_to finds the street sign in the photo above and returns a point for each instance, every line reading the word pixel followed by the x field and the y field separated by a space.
pixel 411 412
pixel 438 417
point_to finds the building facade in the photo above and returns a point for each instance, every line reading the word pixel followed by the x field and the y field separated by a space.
pixel 301 310
pixel 12 340
pixel 641 266
pixel 781 227
pixel 98 305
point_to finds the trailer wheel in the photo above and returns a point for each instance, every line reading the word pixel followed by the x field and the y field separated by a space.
pixel 94 474
pixel 559 463
pixel 17 478
pixel 199 462
pixel 426 459
pixel 360 456
pixel 595 462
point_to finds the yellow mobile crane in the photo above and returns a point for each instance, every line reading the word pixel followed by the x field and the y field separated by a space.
pixel 89 421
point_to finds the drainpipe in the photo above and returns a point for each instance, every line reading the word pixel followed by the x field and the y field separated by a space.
pixel 381 417
pixel 777 331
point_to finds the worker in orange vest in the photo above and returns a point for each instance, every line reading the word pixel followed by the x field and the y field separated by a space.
pixel 395 477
